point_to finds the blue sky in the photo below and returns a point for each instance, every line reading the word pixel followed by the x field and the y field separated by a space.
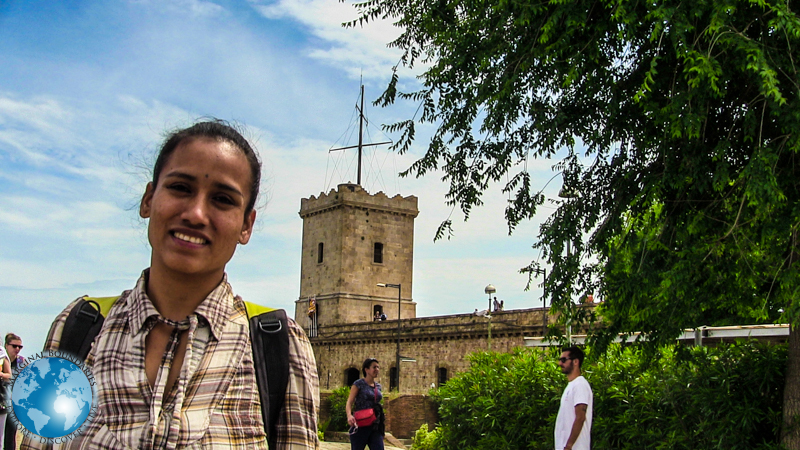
pixel 87 89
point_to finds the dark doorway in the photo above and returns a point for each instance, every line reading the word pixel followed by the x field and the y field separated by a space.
pixel 351 375
pixel 393 379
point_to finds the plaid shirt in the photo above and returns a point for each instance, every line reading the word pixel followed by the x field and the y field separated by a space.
pixel 214 403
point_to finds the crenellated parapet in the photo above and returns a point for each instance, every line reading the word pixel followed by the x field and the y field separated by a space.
pixel 353 195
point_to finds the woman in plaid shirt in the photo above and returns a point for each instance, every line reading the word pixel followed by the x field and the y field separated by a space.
pixel 173 363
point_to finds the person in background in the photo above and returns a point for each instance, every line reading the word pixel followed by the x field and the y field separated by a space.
pixel 5 377
pixel 173 362
pixel 377 316
pixel 366 394
pixel 13 346
pixel 574 421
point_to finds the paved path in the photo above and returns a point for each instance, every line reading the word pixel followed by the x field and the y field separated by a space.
pixel 325 445
pixel 345 446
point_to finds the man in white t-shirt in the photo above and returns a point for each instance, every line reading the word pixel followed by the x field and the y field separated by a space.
pixel 574 422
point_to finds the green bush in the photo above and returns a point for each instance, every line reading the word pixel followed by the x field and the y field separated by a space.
pixel 338 420
pixel 425 440
pixel 505 401
pixel 322 427
pixel 728 397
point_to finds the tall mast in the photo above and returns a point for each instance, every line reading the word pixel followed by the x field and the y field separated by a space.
pixel 360 133
pixel 361 144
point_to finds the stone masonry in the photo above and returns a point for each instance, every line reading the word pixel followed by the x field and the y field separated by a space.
pixel 435 343
pixel 342 263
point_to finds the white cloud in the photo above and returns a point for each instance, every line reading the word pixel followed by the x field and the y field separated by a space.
pixel 356 51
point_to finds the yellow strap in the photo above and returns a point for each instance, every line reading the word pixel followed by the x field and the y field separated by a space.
pixel 105 303
pixel 254 310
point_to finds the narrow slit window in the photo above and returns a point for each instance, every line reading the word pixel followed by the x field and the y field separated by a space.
pixel 393 378
pixel 442 376
pixel 378 258
pixel 320 253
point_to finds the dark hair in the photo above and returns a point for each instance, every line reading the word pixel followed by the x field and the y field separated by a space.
pixel 368 362
pixel 12 337
pixel 575 353
pixel 218 130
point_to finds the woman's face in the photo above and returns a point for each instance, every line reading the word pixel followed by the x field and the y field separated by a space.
pixel 374 369
pixel 197 210
pixel 12 348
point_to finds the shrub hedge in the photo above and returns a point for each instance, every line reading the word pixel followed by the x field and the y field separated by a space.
pixel 338 418
pixel 726 397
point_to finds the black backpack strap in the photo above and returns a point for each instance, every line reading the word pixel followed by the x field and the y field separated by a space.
pixel 269 333
pixel 82 325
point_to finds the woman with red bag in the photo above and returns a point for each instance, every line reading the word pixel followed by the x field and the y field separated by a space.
pixel 364 410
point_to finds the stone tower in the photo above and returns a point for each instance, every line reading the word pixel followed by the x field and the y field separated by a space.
pixel 352 241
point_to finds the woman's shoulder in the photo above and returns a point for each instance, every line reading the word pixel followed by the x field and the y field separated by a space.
pixel 360 383
pixel 57 327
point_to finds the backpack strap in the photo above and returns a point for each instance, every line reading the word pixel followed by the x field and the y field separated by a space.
pixel 83 324
pixel 269 334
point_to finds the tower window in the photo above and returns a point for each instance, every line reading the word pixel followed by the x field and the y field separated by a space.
pixel 378 257
pixel 393 378
pixel 442 372
pixel 320 252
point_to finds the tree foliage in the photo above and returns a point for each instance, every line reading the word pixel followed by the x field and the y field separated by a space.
pixel 679 122
pixel 679 125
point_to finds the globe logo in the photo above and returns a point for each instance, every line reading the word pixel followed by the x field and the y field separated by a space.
pixel 51 397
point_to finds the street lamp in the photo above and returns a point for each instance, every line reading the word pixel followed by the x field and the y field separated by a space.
pixel 397 359
pixel 568 193
pixel 489 290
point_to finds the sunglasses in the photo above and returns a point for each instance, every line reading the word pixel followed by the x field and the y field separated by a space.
pixel 563 360
pixel 353 430
pixel 18 347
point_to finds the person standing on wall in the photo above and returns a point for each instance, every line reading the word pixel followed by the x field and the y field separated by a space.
pixel 574 421
pixel 13 346
pixel 364 410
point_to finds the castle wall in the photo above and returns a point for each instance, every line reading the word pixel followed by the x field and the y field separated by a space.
pixel 325 277
pixel 434 342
